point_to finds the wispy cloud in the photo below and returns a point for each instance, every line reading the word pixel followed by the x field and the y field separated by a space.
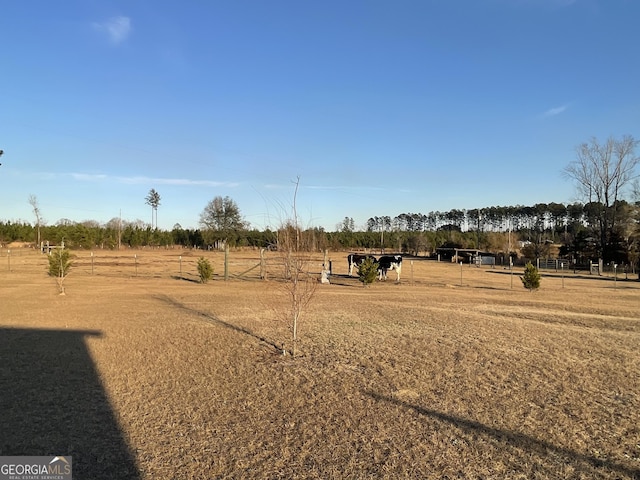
pixel 342 188
pixel 117 29
pixel 544 3
pixel 141 180
pixel 552 112
pixel 563 3
pixel 86 177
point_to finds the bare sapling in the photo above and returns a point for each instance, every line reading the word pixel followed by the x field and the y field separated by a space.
pixel 298 283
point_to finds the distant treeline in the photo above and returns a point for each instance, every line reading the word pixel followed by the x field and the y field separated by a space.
pixel 575 227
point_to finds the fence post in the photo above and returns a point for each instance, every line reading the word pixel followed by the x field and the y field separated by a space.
pixel 263 266
pixel 9 259
pixel 511 270
pixel 226 261
pixel 600 266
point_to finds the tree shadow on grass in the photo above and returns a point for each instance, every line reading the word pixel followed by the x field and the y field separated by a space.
pixel 52 402
pixel 213 319
pixel 519 440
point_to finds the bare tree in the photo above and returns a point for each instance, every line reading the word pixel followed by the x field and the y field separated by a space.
pixel 299 284
pixel 601 172
pixel 153 199
pixel 33 201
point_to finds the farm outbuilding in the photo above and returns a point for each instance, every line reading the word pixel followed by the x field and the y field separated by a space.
pixel 456 255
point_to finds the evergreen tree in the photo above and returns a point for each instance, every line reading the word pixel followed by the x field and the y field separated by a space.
pixel 531 277
pixel 367 272
pixel 221 217
pixel 205 270
pixel 153 199
pixel 59 266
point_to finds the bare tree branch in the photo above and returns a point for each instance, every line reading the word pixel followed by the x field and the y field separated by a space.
pixel 601 172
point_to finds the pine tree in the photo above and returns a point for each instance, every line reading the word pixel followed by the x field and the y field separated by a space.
pixel 205 270
pixel 531 277
pixel 367 271
pixel 153 199
pixel 59 266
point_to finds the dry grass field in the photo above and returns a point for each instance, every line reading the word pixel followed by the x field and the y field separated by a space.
pixel 141 372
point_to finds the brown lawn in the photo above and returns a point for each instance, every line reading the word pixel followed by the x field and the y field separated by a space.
pixel 140 372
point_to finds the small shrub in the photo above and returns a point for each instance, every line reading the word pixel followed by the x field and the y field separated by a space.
pixel 59 266
pixel 59 263
pixel 368 271
pixel 205 270
pixel 531 277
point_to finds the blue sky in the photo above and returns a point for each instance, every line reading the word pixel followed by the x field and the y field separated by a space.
pixel 379 107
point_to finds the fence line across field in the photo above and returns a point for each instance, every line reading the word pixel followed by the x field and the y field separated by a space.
pixel 268 265
pixel 135 264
